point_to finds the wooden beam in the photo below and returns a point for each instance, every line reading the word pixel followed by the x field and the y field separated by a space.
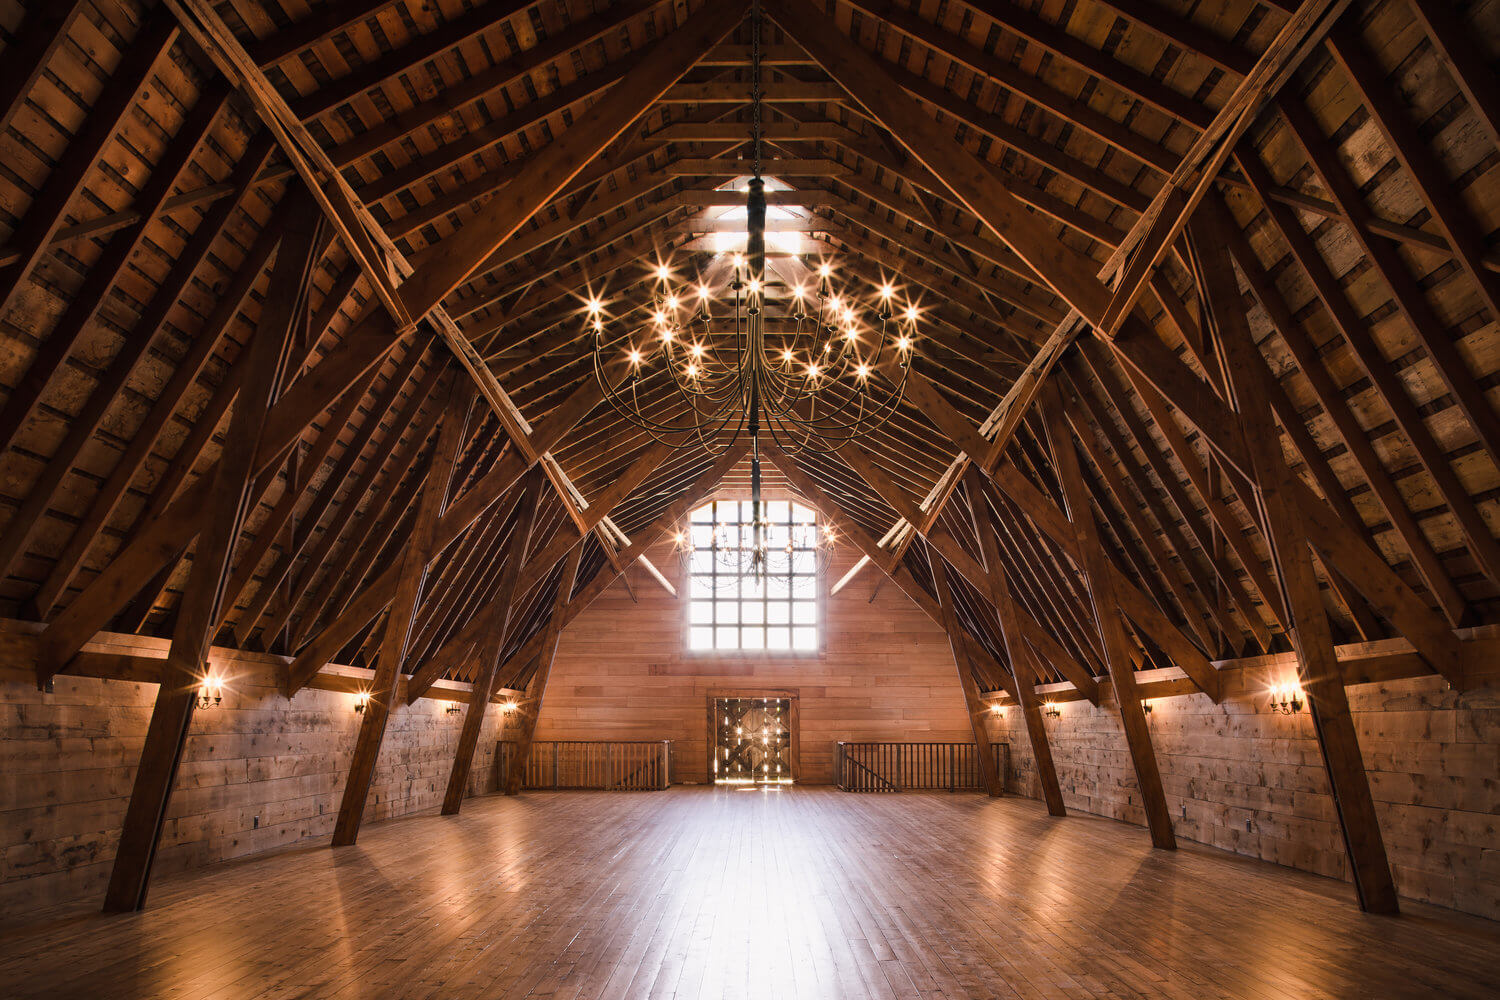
pixel 1099 576
pixel 410 575
pixel 978 710
pixel 502 606
pixel 228 499
pixel 536 691
pixel 1145 357
pixel 362 609
pixel 1017 652
pixel 1317 664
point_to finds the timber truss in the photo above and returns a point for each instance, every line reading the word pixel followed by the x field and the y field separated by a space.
pixel 295 363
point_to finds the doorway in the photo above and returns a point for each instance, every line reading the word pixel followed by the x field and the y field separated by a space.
pixel 753 739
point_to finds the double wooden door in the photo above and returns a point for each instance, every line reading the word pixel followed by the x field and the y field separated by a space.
pixel 754 741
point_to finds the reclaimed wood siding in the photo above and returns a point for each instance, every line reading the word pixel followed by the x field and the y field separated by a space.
pixel 1240 778
pixel 624 672
pixel 259 773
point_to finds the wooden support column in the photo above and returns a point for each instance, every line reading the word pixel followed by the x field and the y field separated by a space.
pixel 228 500
pixel 983 750
pixel 1317 663
pixel 1100 578
pixel 1015 644
pixel 413 571
pixel 537 689
pixel 503 604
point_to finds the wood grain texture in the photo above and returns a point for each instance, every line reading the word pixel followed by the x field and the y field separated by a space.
pixel 885 673
pixel 808 893
pixel 1240 778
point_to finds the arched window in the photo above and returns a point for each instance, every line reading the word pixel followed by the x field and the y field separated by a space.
pixel 734 607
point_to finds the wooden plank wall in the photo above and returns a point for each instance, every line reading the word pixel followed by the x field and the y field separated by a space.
pixel 623 672
pixel 259 773
pixel 1240 778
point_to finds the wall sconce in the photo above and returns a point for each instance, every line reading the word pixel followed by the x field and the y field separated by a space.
pixel 997 709
pixel 1146 706
pixel 360 701
pixel 1051 710
pixel 1287 700
pixel 210 692
pixel 452 709
pixel 509 706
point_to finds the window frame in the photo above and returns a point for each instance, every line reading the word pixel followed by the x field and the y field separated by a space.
pixel 816 601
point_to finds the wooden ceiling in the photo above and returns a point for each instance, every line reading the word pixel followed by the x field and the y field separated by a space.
pixel 508 156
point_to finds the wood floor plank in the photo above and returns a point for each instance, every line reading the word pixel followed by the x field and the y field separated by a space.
pixel 805 892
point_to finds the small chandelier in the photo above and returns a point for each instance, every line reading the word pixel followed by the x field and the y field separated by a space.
pixel 743 349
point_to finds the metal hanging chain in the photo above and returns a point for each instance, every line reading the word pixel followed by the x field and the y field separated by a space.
pixel 755 92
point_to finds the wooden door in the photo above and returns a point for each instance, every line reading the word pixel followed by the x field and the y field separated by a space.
pixel 754 741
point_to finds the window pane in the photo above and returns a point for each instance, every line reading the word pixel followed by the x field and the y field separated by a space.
pixel 733 610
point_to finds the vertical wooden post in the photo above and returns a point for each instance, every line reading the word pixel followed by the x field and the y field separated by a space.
pixel 958 643
pixel 1099 576
pixel 229 499
pixel 1317 664
pixel 403 609
pixel 1015 643
pixel 537 689
pixel 516 550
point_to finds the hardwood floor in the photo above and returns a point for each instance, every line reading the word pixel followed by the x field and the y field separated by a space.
pixel 717 893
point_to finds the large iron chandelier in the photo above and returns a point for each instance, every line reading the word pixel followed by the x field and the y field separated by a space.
pixel 791 351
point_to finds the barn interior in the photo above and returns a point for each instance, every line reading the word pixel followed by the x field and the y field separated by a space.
pixel 890 498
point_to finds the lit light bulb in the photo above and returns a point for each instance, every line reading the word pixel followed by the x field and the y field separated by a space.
pixel 903 343
pixel 911 314
pixel 863 371
pixel 824 270
pixel 798 292
pixel 754 286
pixel 666 335
pixel 663 272
pixel 786 356
pixel 660 317
pixel 598 325
pixel 836 304
pixel 703 292
pixel 595 306
pixel 812 371
pixel 635 357
pixel 738 260
pixel 851 334
pixel 671 302
pixel 692 371
pixel 886 291
pixel 697 350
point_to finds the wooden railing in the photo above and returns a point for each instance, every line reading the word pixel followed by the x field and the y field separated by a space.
pixel 617 765
pixel 899 767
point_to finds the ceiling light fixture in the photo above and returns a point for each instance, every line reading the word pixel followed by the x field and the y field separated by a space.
pixel 742 378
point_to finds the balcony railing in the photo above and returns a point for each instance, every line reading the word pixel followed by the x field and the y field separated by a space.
pixel 901 767
pixel 616 765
